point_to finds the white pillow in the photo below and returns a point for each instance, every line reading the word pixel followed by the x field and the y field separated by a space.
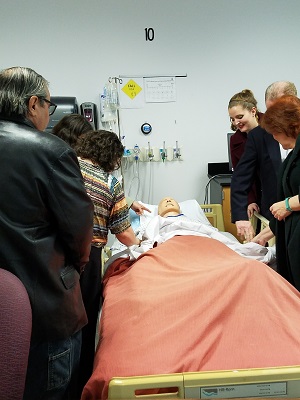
pixel 192 210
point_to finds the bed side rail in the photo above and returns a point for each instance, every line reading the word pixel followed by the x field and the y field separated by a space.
pixel 263 224
pixel 214 213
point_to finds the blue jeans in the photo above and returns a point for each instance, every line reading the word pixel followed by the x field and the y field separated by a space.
pixel 52 371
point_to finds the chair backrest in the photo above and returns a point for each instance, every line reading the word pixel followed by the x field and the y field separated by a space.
pixel 15 333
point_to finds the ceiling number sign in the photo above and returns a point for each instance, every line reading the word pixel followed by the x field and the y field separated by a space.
pixel 149 33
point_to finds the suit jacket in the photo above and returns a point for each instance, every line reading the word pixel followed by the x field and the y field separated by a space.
pixel 261 158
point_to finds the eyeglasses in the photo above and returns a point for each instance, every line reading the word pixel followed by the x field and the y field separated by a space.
pixel 52 106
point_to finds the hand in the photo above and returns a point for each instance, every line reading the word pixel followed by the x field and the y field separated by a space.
pixel 139 208
pixel 279 211
pixel 263 237
pixel 251 208
pixel 245 230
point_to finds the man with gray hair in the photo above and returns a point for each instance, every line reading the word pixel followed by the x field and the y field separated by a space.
pixel 262 158
pixel 279 89
pixel 46 220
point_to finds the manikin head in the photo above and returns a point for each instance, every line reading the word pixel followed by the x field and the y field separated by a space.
pixel 168 207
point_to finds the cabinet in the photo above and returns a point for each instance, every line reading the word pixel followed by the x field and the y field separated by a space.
pixel 220 194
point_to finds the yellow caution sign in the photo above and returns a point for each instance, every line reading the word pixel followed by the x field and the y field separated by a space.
pixel 131 89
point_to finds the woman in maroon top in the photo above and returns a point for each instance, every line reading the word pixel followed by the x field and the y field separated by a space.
pixel 244 116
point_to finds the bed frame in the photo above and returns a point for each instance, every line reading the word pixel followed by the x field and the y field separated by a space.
pixel 276 382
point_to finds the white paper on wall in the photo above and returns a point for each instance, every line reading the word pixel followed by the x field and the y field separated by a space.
pixel 160 89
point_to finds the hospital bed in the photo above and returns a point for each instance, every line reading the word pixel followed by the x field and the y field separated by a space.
pixel 202 323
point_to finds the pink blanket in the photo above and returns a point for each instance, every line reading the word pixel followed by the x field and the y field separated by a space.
pixel 193 304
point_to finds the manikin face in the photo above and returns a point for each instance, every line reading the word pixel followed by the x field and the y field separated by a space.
pixel 243 119
pixel 166 205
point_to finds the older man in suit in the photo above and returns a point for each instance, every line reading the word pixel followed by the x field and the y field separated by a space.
pixel 262 158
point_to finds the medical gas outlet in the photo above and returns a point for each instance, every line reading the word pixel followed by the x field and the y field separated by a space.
pixel 153 154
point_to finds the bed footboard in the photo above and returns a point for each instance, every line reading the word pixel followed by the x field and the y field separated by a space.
pixel 243 383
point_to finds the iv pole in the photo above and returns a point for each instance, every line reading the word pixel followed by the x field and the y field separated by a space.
pixel 118 81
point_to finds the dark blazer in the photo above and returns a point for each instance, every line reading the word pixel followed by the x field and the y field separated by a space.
pixel 288 231
pixel 261 158
pixel 46 222
pixel 237 147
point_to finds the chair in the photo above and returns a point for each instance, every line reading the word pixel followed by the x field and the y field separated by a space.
pixel 15 333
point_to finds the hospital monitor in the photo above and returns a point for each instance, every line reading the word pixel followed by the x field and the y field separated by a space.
pixel 65 106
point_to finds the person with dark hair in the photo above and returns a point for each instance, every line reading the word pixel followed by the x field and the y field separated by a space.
pixel 282 120
pixel 46 225
pixel 100 153
pixel 262 157
pixel 70 127
pixel 244 116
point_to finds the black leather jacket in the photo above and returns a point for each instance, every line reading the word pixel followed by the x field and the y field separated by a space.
pixel 46 221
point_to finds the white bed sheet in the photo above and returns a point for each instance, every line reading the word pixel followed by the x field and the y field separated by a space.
pixel 155 230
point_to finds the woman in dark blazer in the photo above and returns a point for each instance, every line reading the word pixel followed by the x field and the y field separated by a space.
pixel 282 119
pixel 244 116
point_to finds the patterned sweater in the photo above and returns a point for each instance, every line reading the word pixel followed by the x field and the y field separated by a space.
pixel 110 206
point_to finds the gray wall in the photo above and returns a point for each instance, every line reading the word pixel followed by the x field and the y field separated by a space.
pixel 223 46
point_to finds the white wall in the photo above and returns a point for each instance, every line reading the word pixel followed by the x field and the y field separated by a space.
pixel 223 46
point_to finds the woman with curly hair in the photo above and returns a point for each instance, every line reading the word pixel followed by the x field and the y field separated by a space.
pixel 99 154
